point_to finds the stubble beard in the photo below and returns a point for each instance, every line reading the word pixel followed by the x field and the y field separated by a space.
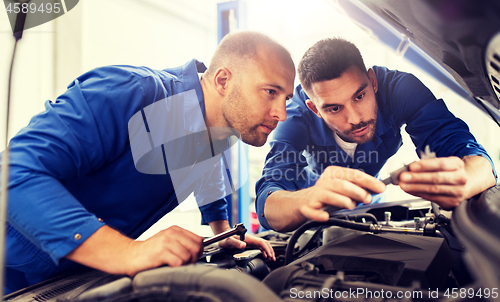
pixel 347 136
pixel 372 124
pixel 234 114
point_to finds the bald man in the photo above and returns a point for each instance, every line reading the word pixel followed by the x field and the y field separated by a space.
pixel 125 145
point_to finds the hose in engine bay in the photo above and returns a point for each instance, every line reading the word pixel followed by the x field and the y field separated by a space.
pixel 330 222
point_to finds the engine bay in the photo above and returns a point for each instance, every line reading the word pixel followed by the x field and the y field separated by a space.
pixel 402 251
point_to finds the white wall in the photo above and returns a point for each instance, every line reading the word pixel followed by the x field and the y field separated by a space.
pixel 154 33
pixel 33 70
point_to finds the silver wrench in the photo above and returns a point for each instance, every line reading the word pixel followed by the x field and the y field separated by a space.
pixel 238 229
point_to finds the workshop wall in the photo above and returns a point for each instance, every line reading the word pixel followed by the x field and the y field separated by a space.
pixel 153 33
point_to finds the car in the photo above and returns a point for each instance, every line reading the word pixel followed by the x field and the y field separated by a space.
pixel 407 250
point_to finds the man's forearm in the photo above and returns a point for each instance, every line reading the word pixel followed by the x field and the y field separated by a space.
pixel 219 226
pixel 479 174
pixel 110 251
pixel 282 209
pixel 105 250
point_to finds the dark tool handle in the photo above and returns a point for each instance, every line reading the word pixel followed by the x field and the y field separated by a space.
pixel 238 229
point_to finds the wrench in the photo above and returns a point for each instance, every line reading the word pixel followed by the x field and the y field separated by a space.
pixel 238 229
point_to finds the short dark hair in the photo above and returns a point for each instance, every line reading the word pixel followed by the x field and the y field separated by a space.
pixel 327 60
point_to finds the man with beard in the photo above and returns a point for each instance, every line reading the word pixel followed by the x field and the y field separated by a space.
pixel 343 123
pixel 125 145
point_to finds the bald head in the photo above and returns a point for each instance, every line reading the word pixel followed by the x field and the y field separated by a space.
pixel 237 49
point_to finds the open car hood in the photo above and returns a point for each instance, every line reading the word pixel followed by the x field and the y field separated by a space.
pixel 455 41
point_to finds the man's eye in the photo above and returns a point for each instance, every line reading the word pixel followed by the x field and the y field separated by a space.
pixel 334 109
pixel 271 91
pixel 359 97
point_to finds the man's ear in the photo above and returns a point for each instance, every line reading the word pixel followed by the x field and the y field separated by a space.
pixel 221 80
pixel 373 79
pixel 310 104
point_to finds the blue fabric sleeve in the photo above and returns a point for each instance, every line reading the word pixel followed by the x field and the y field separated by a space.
pixel 429 122
pixel 214 211
pixel 75 135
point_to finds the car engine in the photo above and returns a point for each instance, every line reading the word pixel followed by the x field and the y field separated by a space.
pixel 402 251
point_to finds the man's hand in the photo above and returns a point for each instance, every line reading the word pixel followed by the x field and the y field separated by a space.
pixel 219 226
pixel 339 187
pixel 250 241
pixel 174 246
pixel 447 180
pixel 114 253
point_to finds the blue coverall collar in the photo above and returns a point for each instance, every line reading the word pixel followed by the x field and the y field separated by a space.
pixel 190 80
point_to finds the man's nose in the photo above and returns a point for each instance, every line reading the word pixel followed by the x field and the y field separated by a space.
pixel 279 111
pixel 354 116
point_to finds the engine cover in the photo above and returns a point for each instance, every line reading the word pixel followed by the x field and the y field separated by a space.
pixel 389 259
